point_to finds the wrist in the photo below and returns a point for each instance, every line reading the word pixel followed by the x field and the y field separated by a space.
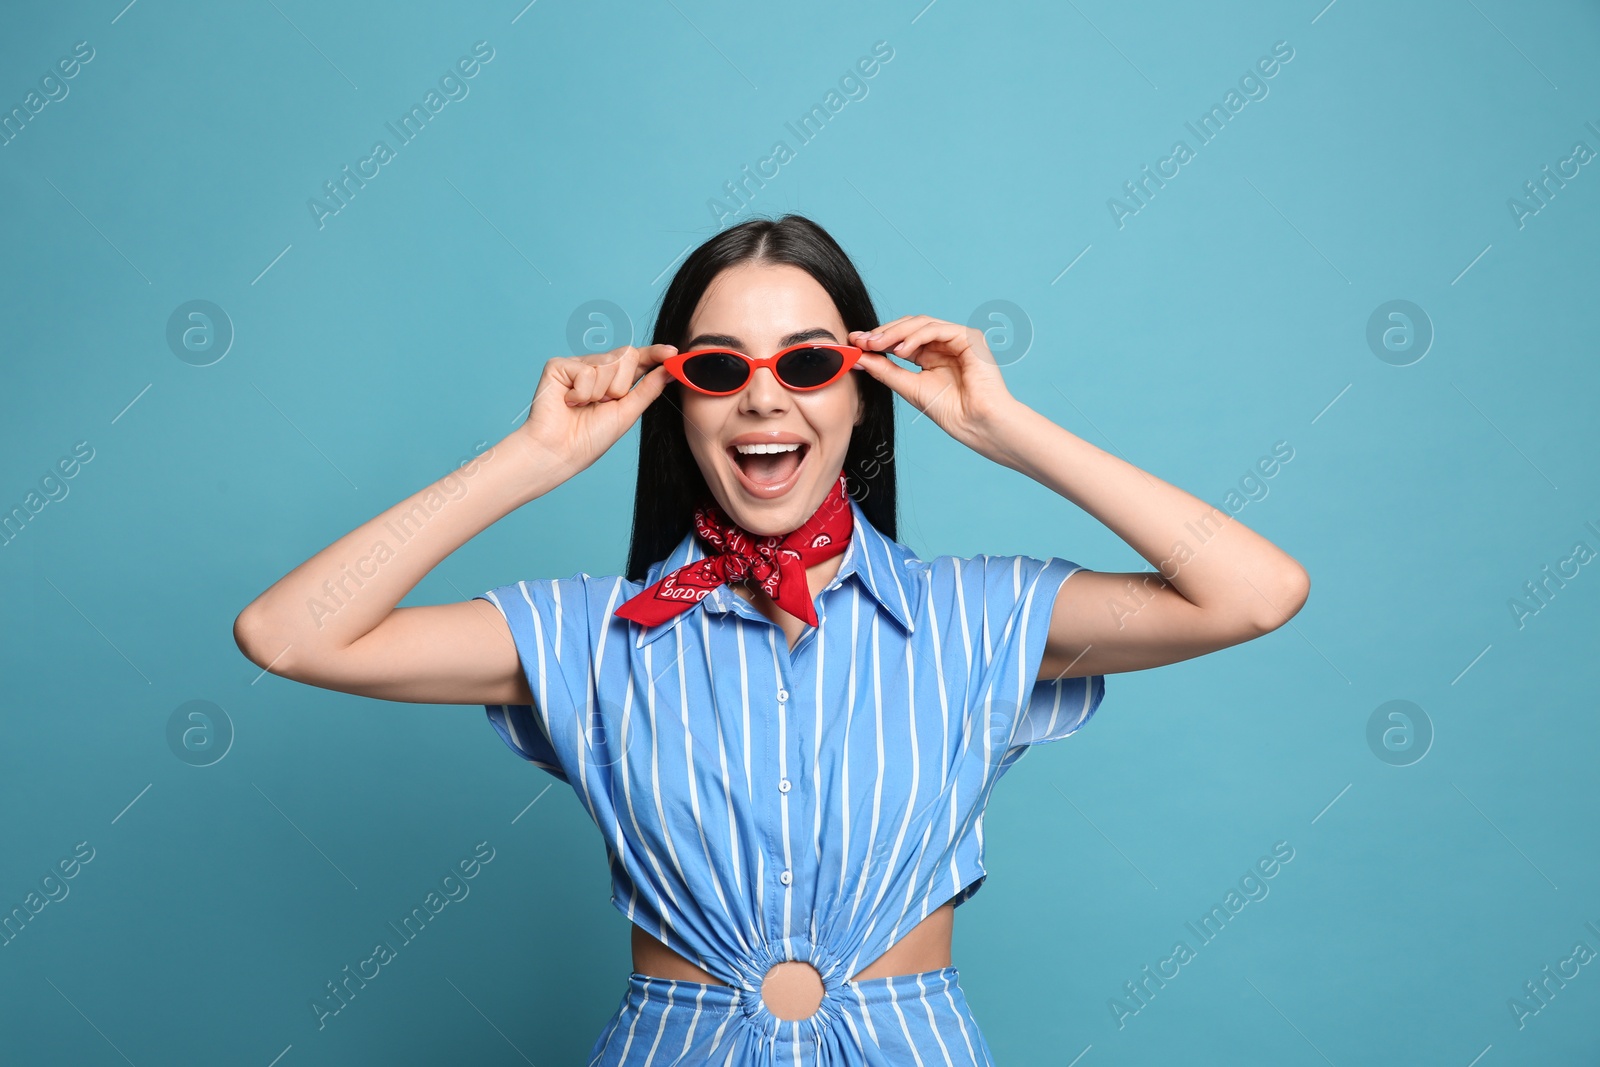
pixel 1009 435
pixel 522 470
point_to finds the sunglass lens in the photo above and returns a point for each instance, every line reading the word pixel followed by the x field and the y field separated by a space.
pixel 807 368
pixel 716 372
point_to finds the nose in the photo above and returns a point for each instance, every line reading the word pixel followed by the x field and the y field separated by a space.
pixel 764 394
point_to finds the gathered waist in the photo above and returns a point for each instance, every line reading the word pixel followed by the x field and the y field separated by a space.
pixel 647 988
pixel 874 1021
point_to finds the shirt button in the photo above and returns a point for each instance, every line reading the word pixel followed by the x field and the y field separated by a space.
pixel 783 785
pixel 783 694
pixel 785 878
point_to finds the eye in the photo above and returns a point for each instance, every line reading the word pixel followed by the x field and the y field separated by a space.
pixel 717 372
pixel 807 368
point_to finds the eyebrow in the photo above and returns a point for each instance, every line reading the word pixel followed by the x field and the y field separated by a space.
pixel 728 341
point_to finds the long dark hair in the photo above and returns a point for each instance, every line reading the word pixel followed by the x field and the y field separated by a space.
pixel 670 485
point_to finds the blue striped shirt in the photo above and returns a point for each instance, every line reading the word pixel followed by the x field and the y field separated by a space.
pixel 761 803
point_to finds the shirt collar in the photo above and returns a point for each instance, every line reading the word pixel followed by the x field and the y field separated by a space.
pixel 880 565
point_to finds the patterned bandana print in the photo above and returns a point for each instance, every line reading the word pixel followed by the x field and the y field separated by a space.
pixel 777 563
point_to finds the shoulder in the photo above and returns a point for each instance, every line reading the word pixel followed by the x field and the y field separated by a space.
pixel 1009 576
pixel 577 598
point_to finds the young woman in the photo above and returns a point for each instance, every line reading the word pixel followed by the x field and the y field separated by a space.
pixel 785 724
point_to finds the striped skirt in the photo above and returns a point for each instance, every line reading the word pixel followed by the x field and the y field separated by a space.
pixel 903 1019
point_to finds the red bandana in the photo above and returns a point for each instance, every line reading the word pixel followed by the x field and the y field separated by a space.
pixel 777 563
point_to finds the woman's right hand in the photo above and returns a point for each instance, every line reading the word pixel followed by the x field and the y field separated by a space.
pixel 584 404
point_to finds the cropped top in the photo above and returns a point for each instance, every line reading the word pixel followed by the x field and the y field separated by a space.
pixel 760 803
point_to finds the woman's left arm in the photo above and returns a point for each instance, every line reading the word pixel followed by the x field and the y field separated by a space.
pixel 1217 582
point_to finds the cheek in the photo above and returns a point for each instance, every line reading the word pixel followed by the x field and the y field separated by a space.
pixel 834 421
pixel 702 419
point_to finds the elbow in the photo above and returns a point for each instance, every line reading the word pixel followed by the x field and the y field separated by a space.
pixel 1283 599
pixel 253 636
pixel 247 635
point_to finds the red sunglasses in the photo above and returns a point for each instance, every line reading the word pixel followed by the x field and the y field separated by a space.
pixel 801 368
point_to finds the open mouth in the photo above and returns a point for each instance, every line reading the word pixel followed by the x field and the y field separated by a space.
pixel 769 469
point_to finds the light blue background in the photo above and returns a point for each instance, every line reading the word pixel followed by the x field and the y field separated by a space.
pixel 1229 314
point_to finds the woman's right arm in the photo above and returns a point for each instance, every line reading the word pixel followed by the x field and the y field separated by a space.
pixel 333 622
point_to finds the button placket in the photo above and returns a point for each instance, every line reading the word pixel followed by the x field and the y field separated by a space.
pixel 785 875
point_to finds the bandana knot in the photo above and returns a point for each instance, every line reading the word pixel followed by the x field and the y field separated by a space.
pixel 776 563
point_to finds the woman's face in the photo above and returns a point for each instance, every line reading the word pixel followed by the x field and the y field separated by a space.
pixel 758 308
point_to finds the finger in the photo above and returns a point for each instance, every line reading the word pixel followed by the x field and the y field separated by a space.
pixel 642 361
pixel 904 382
pixel 886 337
pixel 653 356
pixel 933 331
pixel 891 322
pixel 551 380
pixel 881 334
pixel 643 394
pixel 584 379
pixel 620 374
pixel 871 340
pixel 560 378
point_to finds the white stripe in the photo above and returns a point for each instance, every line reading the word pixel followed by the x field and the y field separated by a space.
pixel 655 780
pixel 890 563
pixel 591 696
pixel 661 1024
pixel 735 847
pixel 938 660
pixel 637 1015
pixel 664 928
pixel 619 845
pixel 627 801
pixel 744 696
pixel 1024 683
pixel 877 729
pixel 555 593
pixel 866 1016
pixel 844 756
pixel 816 774
pixel 933 1024
pixel 757 927
pixel 694 1020
pixel 694 789
pixel 954 1010
pixel 911 792
pixel 911 1044
pixel 716 1038
pixel 542 705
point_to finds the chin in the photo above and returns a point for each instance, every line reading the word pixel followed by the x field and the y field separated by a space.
pixel 772 517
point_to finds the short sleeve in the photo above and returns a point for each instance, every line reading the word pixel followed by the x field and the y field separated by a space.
pixel 1018 595
pixel 549 622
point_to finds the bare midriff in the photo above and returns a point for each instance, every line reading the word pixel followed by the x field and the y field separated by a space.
pixel 793 989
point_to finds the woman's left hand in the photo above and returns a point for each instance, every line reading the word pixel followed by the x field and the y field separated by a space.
pixel 957 383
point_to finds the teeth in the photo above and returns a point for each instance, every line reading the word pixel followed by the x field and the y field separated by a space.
pixel 756 450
